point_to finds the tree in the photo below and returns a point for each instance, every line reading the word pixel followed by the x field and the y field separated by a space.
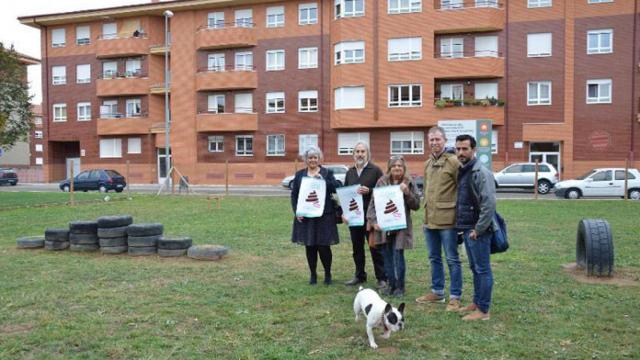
pixel 15 102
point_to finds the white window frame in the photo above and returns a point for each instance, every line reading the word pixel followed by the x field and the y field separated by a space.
pixel 37 120
pixel 452 47
pixel 241 19
pixel 279 143
pixel 308 58
pixel 539 100
pixel 416 139
pixel 494 141
pixel 109 73
pixel 410 88
pixel 491 51
pixel 136 105
pixel 39 148
pixel 110 148
pixel 213 103
pixel 600 99
pixel 531 4
pixel 58 37
pixel 275 60
pixel 215 20
pixel 412 52
pixel 341 11
pixel 38 134
pixel 304 101
pixel 112 105
pixel 341 92
pixel 492 84
pixel 216 62
pixel 531 37
pixel 244 139
pixel 347 141
pixel 274 98
pixel 600 49
pixel 599 1
pixel 448 91
pixel 83 30
pixel 243 65
pixel 39 161
pixel 305 12
pixel 403 6
pixel 109 35
pixel 83 111
pixel 84 80
pixel 275 16
pixel 132 147
pixel 133 67
pixel 215 143
pixel 349 52
pixel 58 75
pixel 451 4
pixel 244 109
pixel 62 115
pixel 306 141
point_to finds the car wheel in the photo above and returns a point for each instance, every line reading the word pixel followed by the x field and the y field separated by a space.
pixel 102 189
pixel 634 194
pixel 66 188
pixel 119 190
pixel 14 183
pixel 339 183
pixel 290 186
pixel 543 187
pixel 573 194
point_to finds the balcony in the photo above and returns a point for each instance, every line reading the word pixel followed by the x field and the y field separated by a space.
pixel 226 79
pixel 159 89
pixel 469 16
pixel 159 49
pixel 469 67
pixel 459 111
pixel 119 46
pixel 227 35
pixel 212 122
pixel 120 85
pixel 115 125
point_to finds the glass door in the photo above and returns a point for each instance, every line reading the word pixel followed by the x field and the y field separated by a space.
pixel 162 165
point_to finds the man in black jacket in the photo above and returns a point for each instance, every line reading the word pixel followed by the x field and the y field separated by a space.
pixel 365 174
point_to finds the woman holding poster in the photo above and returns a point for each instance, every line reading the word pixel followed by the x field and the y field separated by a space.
pixel 396 184
pixel 314 224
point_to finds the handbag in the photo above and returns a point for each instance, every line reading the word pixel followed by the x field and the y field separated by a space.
pixel 499 240
pixel 338 211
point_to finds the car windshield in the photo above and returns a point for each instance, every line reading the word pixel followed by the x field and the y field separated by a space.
pixel 586 175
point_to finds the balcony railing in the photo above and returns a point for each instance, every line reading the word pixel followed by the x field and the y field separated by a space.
pixel 441 103
pixel 122 124
pixel 468 54
pixel 466 4
pixel 107 75
pixel 115 45
pixel 118 115
pixel 228 77
pixel 226 35
pixel 240 23
pixel 226 68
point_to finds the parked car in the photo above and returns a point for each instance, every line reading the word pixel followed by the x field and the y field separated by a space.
pixel 601 182
pixel 8 176
pixel 522 175
pixel 102 180
pixel 339 172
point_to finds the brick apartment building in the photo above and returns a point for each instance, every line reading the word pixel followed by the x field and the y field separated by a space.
pixel 254 82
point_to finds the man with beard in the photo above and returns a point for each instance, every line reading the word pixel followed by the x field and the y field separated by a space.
pixel 365 174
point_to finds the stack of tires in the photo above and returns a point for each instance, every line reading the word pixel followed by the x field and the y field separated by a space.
pixel 30 242
pixel 143 238
pixel 56 239
pixel 112 233
pixel 83 236
pixel 172 246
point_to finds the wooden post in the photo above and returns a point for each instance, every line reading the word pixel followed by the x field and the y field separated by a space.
pixel 72 200
pixel 535 182
pixel 626 179
pixel 128 179
pixel 226 177
pixel 295 165
pixel 173 183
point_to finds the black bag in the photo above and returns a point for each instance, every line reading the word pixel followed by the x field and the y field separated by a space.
pixel 499 238
pixel 338 211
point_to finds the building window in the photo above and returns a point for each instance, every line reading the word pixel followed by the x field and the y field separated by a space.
pixel 58 38
pixel 84 111
pixel 244 61
pixel 275 102
pixel 349 52
pixel 134 108
pixel 134 146
pixel 275 60
pixel 59 75
pixel 346 141
pixel 486 3
pixel 494 141
pixel 83 73
pixel 452 91
pixel 216 143
pixel 407 142
pixel 452 47
pixel 243 102
pixel 244 18
pixel 275 16
pixel 486 46
pixel 306 141
pixel 38 148
pixel 215 103
pixel 38 134
pixel 110 148
pixel 59 112
pixel 308 58
pixel 349 8
pixel 110 31
pixel 37 121
pixel 83 35
pixel 405 95
pixel 539 45
pixel 308 14
pixel 404 49
pixel 350 97
pixel 486 91
pixel 109 69
pixel 308 101
pixel 539 93
pixel 599 91
pixel 39 161
pixel 133 68
pixel 600 41
pixel 244 145
pixel 404 6
pixel 215 62
pixel 538 3
pixel 215 20
pixel 275 145
pixel 451 4
pixel 109 109
pixel 599 1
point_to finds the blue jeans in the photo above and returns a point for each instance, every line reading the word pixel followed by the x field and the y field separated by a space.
pixel 394 264
pixel 447 239
pixel 479 252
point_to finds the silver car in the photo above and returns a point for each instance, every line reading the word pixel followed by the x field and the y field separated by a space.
pixel 339 172
pixel 522 175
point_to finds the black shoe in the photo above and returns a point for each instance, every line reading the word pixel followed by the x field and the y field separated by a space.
pixel 388 291
pixel 313 279
pixel 399 292
pixel 355 281
pixel 381 284
pixel 327 279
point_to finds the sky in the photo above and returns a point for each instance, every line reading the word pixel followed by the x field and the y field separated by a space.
pixel 27 39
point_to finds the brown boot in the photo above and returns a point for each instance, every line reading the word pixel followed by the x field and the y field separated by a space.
pixel 476 315
pixel 430 298
pixel 454 305
pixel 469 308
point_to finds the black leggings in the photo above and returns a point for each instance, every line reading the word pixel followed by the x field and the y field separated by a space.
pixel 325 258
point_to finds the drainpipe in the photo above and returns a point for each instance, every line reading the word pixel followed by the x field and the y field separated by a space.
pixel 506 87
pixel 322 94
pixel 376 73
pixel 634 73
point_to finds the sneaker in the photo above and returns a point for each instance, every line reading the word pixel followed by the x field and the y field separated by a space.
pixel 355 281
pixel 399 292
pixel 454 305
pixel 430 298
pixel 469 308
pixel 313 279
pixel 327 279
pixel 476 315
pixel 381 284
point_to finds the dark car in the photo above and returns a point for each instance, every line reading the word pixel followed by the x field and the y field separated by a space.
pixel 96 179
pixel 8 176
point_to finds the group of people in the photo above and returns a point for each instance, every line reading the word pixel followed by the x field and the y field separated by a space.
pixel 459 207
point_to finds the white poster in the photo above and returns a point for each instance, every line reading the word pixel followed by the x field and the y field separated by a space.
pixel 390 211
pixel 352 205
pixel 311 197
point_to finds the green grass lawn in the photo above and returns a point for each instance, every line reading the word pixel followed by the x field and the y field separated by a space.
pixel 13 200
pixel 256 303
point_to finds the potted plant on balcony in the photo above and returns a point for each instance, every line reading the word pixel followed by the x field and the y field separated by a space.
pixel 485 102
pixel 501 103
pixel 493 101
pixel 457 102
pixel 440 103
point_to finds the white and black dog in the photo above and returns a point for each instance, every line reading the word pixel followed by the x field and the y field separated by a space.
pixel 379 314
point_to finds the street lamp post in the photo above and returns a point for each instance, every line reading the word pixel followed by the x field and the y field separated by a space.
pixel 167 120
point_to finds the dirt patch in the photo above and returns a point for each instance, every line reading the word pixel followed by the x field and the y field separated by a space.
pixel 389 350
pixel 621 277
pixel 15 329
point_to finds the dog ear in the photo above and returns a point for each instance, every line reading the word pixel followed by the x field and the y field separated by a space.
pixel 401 308
pixel 388 308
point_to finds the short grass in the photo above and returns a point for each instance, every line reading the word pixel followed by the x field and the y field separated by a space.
pixel 13 200
pixel 256 303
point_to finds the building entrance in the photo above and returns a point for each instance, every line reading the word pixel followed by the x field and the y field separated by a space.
pixel 546 152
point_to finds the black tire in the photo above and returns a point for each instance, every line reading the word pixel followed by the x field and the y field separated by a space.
pixel 14 183
pixel 84 247
pixel 114 249
pixel 83 227
pixel 56 234
pixel 30 242
pixel 119 190
pixel 115 232
pixel 290 186
pixel 113 242
pixel 207 252
pixel 594 247
pixel 573 193
pixel 172 253
pixel 143 241
pixel 149 229
pixel 83 239
pixel 56 245
pixel 142 251
pixel 544 186
pixel 174 243
pixel 114 221
pixel 634 194
pixel 66 188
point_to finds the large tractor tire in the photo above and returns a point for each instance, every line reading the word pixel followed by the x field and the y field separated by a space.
pixel 594 247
